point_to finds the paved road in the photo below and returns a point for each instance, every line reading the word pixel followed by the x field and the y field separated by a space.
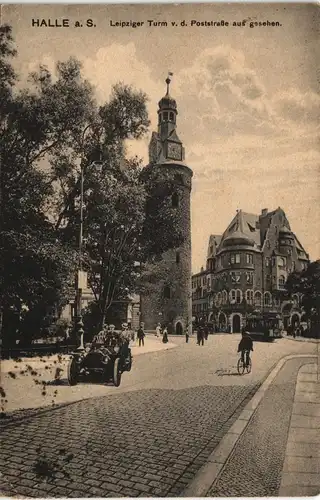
pixel 150 437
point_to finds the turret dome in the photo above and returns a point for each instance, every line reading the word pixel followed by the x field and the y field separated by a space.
pixel 168 102
pixel 286 231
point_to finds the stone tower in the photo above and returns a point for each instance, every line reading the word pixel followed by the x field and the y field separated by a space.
pixel 169 302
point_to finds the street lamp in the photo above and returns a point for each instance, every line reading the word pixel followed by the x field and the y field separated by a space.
pixel 80 275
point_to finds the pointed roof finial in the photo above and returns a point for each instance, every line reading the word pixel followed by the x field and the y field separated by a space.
pixel 168 81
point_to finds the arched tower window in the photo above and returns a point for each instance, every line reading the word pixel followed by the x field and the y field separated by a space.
pixel 167 292
pixel 171 116
pixel 178 178
pixel 175 200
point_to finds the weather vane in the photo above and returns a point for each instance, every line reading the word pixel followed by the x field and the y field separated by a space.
pixel 168 80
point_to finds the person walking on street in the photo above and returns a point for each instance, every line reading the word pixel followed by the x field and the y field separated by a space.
pixel 187 335
pixel 206 332
pixel 200 336
pixel 165 335
pixel 158 330
pixel 140 336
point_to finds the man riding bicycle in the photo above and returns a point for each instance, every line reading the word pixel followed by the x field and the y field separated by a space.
pixel 245 346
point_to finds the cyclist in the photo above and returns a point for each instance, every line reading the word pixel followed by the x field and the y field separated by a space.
pixel 245 346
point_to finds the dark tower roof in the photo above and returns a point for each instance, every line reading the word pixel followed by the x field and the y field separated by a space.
pixel 285 230
pixel 167 102
pixel 238 238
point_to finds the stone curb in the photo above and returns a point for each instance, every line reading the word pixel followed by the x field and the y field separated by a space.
pixel 303 339
pixel 209 473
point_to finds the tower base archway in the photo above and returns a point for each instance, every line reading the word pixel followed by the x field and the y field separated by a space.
pixel 179 329
pixel 236 323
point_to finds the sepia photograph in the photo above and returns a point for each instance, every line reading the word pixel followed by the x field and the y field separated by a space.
pixel 159 250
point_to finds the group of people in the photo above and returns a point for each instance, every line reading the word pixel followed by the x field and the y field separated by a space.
pixel 162 332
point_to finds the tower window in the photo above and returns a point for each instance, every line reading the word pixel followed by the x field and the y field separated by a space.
pixel 175 200
pixel 165 116
pixel 167 292
pixel 171 117
pixel 177 257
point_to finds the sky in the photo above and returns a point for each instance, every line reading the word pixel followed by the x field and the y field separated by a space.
pixel 248 97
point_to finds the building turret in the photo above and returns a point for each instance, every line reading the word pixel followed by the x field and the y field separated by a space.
pixel 170 301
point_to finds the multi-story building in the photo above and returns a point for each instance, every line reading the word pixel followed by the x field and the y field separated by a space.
pixel 247 268
pixel 200 295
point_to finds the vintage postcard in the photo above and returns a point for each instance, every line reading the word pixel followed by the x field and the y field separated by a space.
pixel 159 250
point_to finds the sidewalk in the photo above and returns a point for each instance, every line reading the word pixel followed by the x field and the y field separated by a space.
pixel 46 362
pixel 274 444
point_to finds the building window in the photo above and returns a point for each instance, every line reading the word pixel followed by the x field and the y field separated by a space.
pixel 165 116
pixel 249 258
pixel 224 297
pixel 238 296
pixel 217 299
pixel 267 299
pixel 257 298
pixel 268 279
pixel 177 257
pixel 282 281
pixel 249 278
pixel 235 258
pixel 232 296
pixel 276 301
pixel 295 300
pixel 282 262
pixel 249 296
pixel 235 277
pixel 171 117
pixel 175 200
pixel 167 292
pixel 267 262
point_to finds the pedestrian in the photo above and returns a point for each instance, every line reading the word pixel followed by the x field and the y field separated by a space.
pixel 206 332
pixel 200 336
pixel 165 335
pixel 187 335
pixel 140 335
pixel 158 330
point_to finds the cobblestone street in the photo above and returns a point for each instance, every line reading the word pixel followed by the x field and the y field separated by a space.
pixel 151 437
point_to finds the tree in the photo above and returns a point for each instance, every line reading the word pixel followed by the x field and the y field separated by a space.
pixel 51 132
pixel 307 283
pixel 37 122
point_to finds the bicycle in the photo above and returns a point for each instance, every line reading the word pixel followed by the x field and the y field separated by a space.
pixel 242 366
